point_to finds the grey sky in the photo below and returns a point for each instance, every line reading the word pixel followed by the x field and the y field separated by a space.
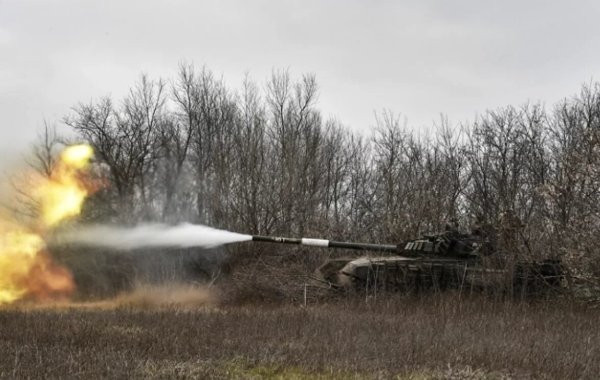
pixel 417 58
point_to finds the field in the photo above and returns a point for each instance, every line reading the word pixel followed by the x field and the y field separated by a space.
pixel 399 337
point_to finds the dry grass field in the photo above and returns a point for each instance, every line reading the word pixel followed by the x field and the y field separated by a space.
pixel 400 337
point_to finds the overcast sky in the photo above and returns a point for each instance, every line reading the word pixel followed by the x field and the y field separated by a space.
pixel 418 58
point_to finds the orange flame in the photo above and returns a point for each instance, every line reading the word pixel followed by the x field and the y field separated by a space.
pixel 63 194
pixel 26 270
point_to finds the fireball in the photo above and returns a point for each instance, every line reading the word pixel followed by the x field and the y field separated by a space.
pixel 26 269
pixel 62 196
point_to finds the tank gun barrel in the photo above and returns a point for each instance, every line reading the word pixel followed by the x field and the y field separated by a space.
pixel 328 243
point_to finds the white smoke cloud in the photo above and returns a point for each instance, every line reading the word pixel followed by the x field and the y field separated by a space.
pixel 149 235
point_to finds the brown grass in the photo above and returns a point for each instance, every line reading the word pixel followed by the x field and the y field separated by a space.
pixel 169 295
pixel 432 337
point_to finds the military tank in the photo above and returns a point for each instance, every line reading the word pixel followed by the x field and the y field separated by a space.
pixel 446 260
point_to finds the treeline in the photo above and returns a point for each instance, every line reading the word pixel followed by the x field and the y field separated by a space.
pixel 264 159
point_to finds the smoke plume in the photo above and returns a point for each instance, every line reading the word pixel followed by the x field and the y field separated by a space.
pixel 149 236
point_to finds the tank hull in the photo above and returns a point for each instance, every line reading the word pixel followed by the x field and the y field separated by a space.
pixel 408 274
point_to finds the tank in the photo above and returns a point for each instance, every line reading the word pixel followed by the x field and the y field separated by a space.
pixel 432 262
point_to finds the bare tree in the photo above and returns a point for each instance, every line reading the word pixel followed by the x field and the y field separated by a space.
pixel 125 139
